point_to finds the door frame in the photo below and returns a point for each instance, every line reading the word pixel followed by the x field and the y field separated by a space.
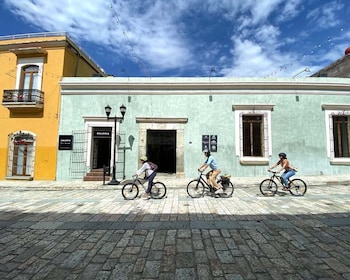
pixel 177 124
pixel 90 123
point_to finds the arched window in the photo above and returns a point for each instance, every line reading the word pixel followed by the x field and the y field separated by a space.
pixel 21 154
pixel 29 77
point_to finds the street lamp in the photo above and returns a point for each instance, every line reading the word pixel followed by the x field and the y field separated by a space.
pixel 304 70
pixel 108 110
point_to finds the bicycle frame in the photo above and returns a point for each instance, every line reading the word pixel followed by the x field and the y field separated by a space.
pixel 202 178
pixel 277 178
pixel 138 182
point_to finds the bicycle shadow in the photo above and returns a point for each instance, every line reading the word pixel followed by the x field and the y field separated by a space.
pixel 278 193
pixel 283 193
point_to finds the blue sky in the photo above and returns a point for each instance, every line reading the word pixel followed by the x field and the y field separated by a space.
pixel 193 38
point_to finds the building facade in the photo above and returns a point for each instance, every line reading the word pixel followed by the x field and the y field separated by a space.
pixel 245 122
pixel 31 67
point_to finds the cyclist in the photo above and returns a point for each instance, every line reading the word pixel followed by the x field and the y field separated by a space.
pixel 213 173
pixel 149 175
pixel 287 167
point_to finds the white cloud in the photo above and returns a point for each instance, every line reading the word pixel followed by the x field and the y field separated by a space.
pixel 326 15
pixel 181 34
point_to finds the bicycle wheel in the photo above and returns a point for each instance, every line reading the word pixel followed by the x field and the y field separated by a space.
pixel 195 188
pixel 130 191
pixel 158 190
pixel 268 187
pixel 297 187
pixel 228 188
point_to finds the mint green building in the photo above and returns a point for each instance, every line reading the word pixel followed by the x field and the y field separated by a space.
pixel 246 122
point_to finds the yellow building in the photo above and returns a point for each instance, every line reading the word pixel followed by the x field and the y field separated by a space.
pixel 31 67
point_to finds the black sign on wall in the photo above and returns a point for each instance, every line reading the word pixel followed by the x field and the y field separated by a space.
pixel 65 142
pixel 210 143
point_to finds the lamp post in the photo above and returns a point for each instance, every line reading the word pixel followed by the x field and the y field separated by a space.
pixel 108 110
pixel 304 70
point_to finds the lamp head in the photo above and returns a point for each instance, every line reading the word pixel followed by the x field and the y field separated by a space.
pixel 122 110
pixel 108 110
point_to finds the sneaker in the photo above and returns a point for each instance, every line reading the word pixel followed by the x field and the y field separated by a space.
pixel 146 196
pixel 212 190
pixel 219 191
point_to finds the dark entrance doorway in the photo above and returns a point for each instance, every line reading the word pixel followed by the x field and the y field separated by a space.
pixel 161 149
pixel 101 147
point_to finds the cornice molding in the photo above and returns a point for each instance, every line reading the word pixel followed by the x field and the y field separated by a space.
pixel 161 120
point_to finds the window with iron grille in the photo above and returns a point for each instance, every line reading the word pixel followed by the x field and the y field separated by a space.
pixel 253 133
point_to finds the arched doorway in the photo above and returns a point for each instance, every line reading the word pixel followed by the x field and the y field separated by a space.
pixel 21 154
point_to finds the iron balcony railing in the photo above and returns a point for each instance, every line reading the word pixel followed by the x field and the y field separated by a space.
pixel 27 96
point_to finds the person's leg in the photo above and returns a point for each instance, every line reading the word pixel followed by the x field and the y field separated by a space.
pixel 213 178
pixel 286 175
pixel 208 175
pixel 283 175
pixel 150 181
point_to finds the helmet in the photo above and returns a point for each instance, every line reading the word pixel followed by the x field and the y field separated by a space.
pixel 144 158
pixel 283 155
pixel 205 151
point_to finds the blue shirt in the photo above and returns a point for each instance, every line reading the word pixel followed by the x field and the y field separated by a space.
pixel 212 163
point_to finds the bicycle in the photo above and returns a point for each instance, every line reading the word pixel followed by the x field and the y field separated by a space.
pixel 268 187
pixel 196 187
pixel 131 190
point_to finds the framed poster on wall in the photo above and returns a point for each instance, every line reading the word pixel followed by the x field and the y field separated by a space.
pixel 205 142
pixel 213 143
pixel 210 142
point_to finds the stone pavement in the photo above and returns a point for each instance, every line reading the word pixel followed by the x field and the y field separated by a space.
pixel 75 230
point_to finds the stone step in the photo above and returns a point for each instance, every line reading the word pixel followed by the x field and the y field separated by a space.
pixel 95 175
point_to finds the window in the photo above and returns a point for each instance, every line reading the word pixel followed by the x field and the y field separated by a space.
pixel 253 133
pixel 29 77
pixel 341 136
pixel 29 82
pixel 29 73
pixel 21 156
pixel 338 133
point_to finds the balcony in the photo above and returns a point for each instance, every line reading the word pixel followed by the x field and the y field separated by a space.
pixel 23 99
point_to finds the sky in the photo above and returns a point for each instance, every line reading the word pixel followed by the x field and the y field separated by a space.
pixel 193 38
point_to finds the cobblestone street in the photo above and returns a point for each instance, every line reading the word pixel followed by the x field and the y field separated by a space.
pixel 96 234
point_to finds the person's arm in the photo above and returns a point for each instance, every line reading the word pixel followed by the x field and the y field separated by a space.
pixel 273 166
pixel 142 169
pixel 203 167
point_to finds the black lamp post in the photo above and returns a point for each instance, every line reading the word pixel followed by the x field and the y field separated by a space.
pixel 108 110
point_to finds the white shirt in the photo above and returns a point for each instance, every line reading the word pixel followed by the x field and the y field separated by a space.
pixel 145 168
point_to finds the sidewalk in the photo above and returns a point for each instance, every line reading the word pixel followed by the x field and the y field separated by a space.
pixel 169 180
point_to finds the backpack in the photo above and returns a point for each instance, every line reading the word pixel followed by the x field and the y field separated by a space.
pixel 153 166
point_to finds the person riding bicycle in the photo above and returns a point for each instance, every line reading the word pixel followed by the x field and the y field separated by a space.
pixel 213 173
pixel 149 175
pixel 289 170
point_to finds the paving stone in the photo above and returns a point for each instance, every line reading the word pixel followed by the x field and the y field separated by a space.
pixel 244 237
